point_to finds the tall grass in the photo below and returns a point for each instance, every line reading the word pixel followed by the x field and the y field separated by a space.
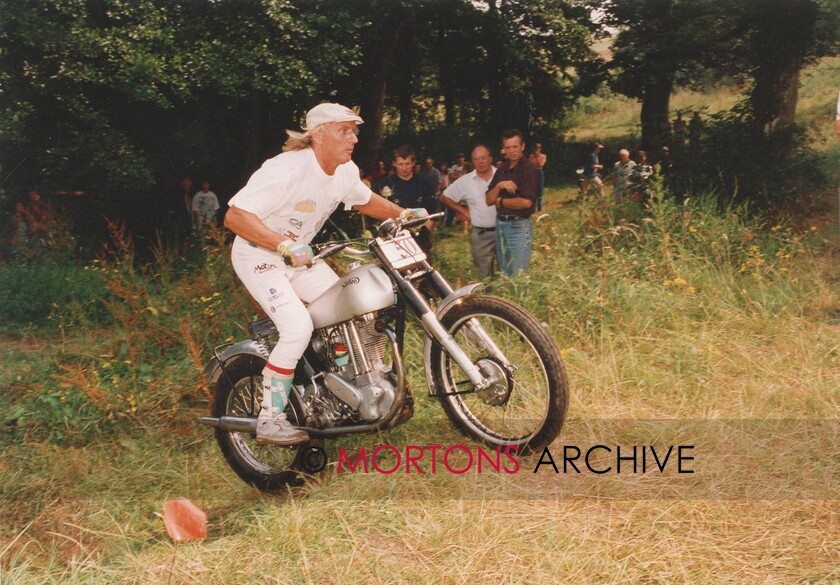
pixel 684 311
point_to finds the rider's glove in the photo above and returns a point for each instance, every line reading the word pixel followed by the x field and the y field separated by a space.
pixel 295 254
pixel 416 213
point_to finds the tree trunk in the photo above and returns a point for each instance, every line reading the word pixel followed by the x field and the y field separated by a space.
pixel 774 98
pixel 656 128
pixel 447 85
pixel 379 55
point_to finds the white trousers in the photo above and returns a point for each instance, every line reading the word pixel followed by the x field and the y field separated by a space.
pixel 281 291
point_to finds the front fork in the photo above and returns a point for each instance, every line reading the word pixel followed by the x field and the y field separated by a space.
pixel 436 329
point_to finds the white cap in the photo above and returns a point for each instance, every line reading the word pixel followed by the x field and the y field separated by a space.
pixel 323 113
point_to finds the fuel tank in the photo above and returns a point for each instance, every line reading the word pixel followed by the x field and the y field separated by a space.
pixel 365 289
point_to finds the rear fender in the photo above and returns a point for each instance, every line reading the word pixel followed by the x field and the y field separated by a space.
pixel 213 368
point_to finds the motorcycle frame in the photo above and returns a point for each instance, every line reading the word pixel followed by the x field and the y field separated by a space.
pixel 408 297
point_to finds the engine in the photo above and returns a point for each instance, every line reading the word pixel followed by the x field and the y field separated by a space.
pixel 359 385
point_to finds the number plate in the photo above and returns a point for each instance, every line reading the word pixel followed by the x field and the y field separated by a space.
pixel 402 252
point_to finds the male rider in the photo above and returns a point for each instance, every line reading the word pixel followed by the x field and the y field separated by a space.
pixel 275 216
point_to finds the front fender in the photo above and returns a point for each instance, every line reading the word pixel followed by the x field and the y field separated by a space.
pixel 445 305
pixel 213 368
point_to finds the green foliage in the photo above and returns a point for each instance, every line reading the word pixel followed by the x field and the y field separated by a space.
pixel 46 295
pixel 775 174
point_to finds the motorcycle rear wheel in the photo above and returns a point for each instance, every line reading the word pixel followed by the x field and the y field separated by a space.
pixel 528 408
pixel 269 468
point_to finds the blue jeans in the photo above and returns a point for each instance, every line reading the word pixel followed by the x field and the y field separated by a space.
pixel 513 245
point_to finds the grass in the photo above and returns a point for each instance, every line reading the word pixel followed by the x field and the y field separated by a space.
pixel 686 325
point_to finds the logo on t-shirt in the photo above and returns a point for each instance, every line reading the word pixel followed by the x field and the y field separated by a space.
pixel 264 267
pixel 306 206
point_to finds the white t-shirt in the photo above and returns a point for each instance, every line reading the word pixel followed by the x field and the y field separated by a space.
pixel 293 195
pixel 205 205
pixel 471 190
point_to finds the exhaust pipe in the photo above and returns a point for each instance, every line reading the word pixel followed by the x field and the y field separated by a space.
pixel 232 424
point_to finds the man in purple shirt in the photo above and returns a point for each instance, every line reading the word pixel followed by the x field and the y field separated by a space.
pixel 514 190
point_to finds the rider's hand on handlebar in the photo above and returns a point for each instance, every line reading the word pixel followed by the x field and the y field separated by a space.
pixel 295 254
pixel 415 213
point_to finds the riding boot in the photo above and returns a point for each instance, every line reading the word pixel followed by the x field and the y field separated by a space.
pixel 272 425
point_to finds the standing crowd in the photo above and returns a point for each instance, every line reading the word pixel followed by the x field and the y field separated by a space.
pixel 493 202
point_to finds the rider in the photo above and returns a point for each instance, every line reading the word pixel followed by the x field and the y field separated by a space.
pixel 275 216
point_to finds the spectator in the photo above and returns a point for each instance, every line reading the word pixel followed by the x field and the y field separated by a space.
pixel 455 173
pixel 467 198
pixel 837 118
pixel 641 178
pixel 591 172
pixel 513 191
pixel 179 211
pixel 37 213
pixel 431 174
pixel 443 169
pixel 665 165
pixel 377 173
pixel 409 190
pixel 19 234
pixel 538 159
pixel 622 171
pixel 205 207
pixel 695 130
pixel 458 165
pixel 680 130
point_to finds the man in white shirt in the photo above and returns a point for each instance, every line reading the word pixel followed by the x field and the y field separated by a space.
pixel 466 197
pixel 275 216
pixel 205 205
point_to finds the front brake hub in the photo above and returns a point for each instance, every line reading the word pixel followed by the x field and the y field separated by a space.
pixel 497 391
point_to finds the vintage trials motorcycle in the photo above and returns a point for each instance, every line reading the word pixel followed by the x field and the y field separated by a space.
pixel 493 366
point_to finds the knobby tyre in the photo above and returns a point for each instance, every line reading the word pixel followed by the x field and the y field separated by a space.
pixel 269 468
pixel 528 409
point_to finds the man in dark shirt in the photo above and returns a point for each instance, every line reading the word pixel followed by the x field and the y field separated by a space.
pixel 514 190
pixel 406 188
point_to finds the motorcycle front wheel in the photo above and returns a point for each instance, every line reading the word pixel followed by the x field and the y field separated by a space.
pixel 526 405
pixel 269 468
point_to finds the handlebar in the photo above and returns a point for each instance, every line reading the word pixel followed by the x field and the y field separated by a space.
pixel 390 227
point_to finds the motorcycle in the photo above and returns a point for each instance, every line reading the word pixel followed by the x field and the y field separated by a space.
pixel 494 368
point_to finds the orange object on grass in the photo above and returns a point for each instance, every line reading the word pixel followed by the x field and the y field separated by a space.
pixel 184 520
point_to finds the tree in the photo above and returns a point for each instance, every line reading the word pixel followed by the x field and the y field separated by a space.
pixel 782 36
pixel 120 98
pixel 661 44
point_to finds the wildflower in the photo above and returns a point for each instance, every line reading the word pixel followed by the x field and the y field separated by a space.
pixel 679 281
pixel 106 365
pixel 692 229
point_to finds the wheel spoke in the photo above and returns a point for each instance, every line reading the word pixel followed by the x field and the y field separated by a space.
pixel 525 408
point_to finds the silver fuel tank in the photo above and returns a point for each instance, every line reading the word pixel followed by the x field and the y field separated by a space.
pixel 361 291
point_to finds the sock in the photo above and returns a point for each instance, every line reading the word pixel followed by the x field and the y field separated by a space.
pixel 276 389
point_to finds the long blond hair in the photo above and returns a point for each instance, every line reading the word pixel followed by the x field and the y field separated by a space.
pixel 302 140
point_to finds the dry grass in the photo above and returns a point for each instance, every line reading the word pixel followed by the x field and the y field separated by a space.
pixel 762 507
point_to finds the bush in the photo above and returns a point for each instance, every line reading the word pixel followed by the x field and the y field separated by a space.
pixel 779 174
pixel 43 294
